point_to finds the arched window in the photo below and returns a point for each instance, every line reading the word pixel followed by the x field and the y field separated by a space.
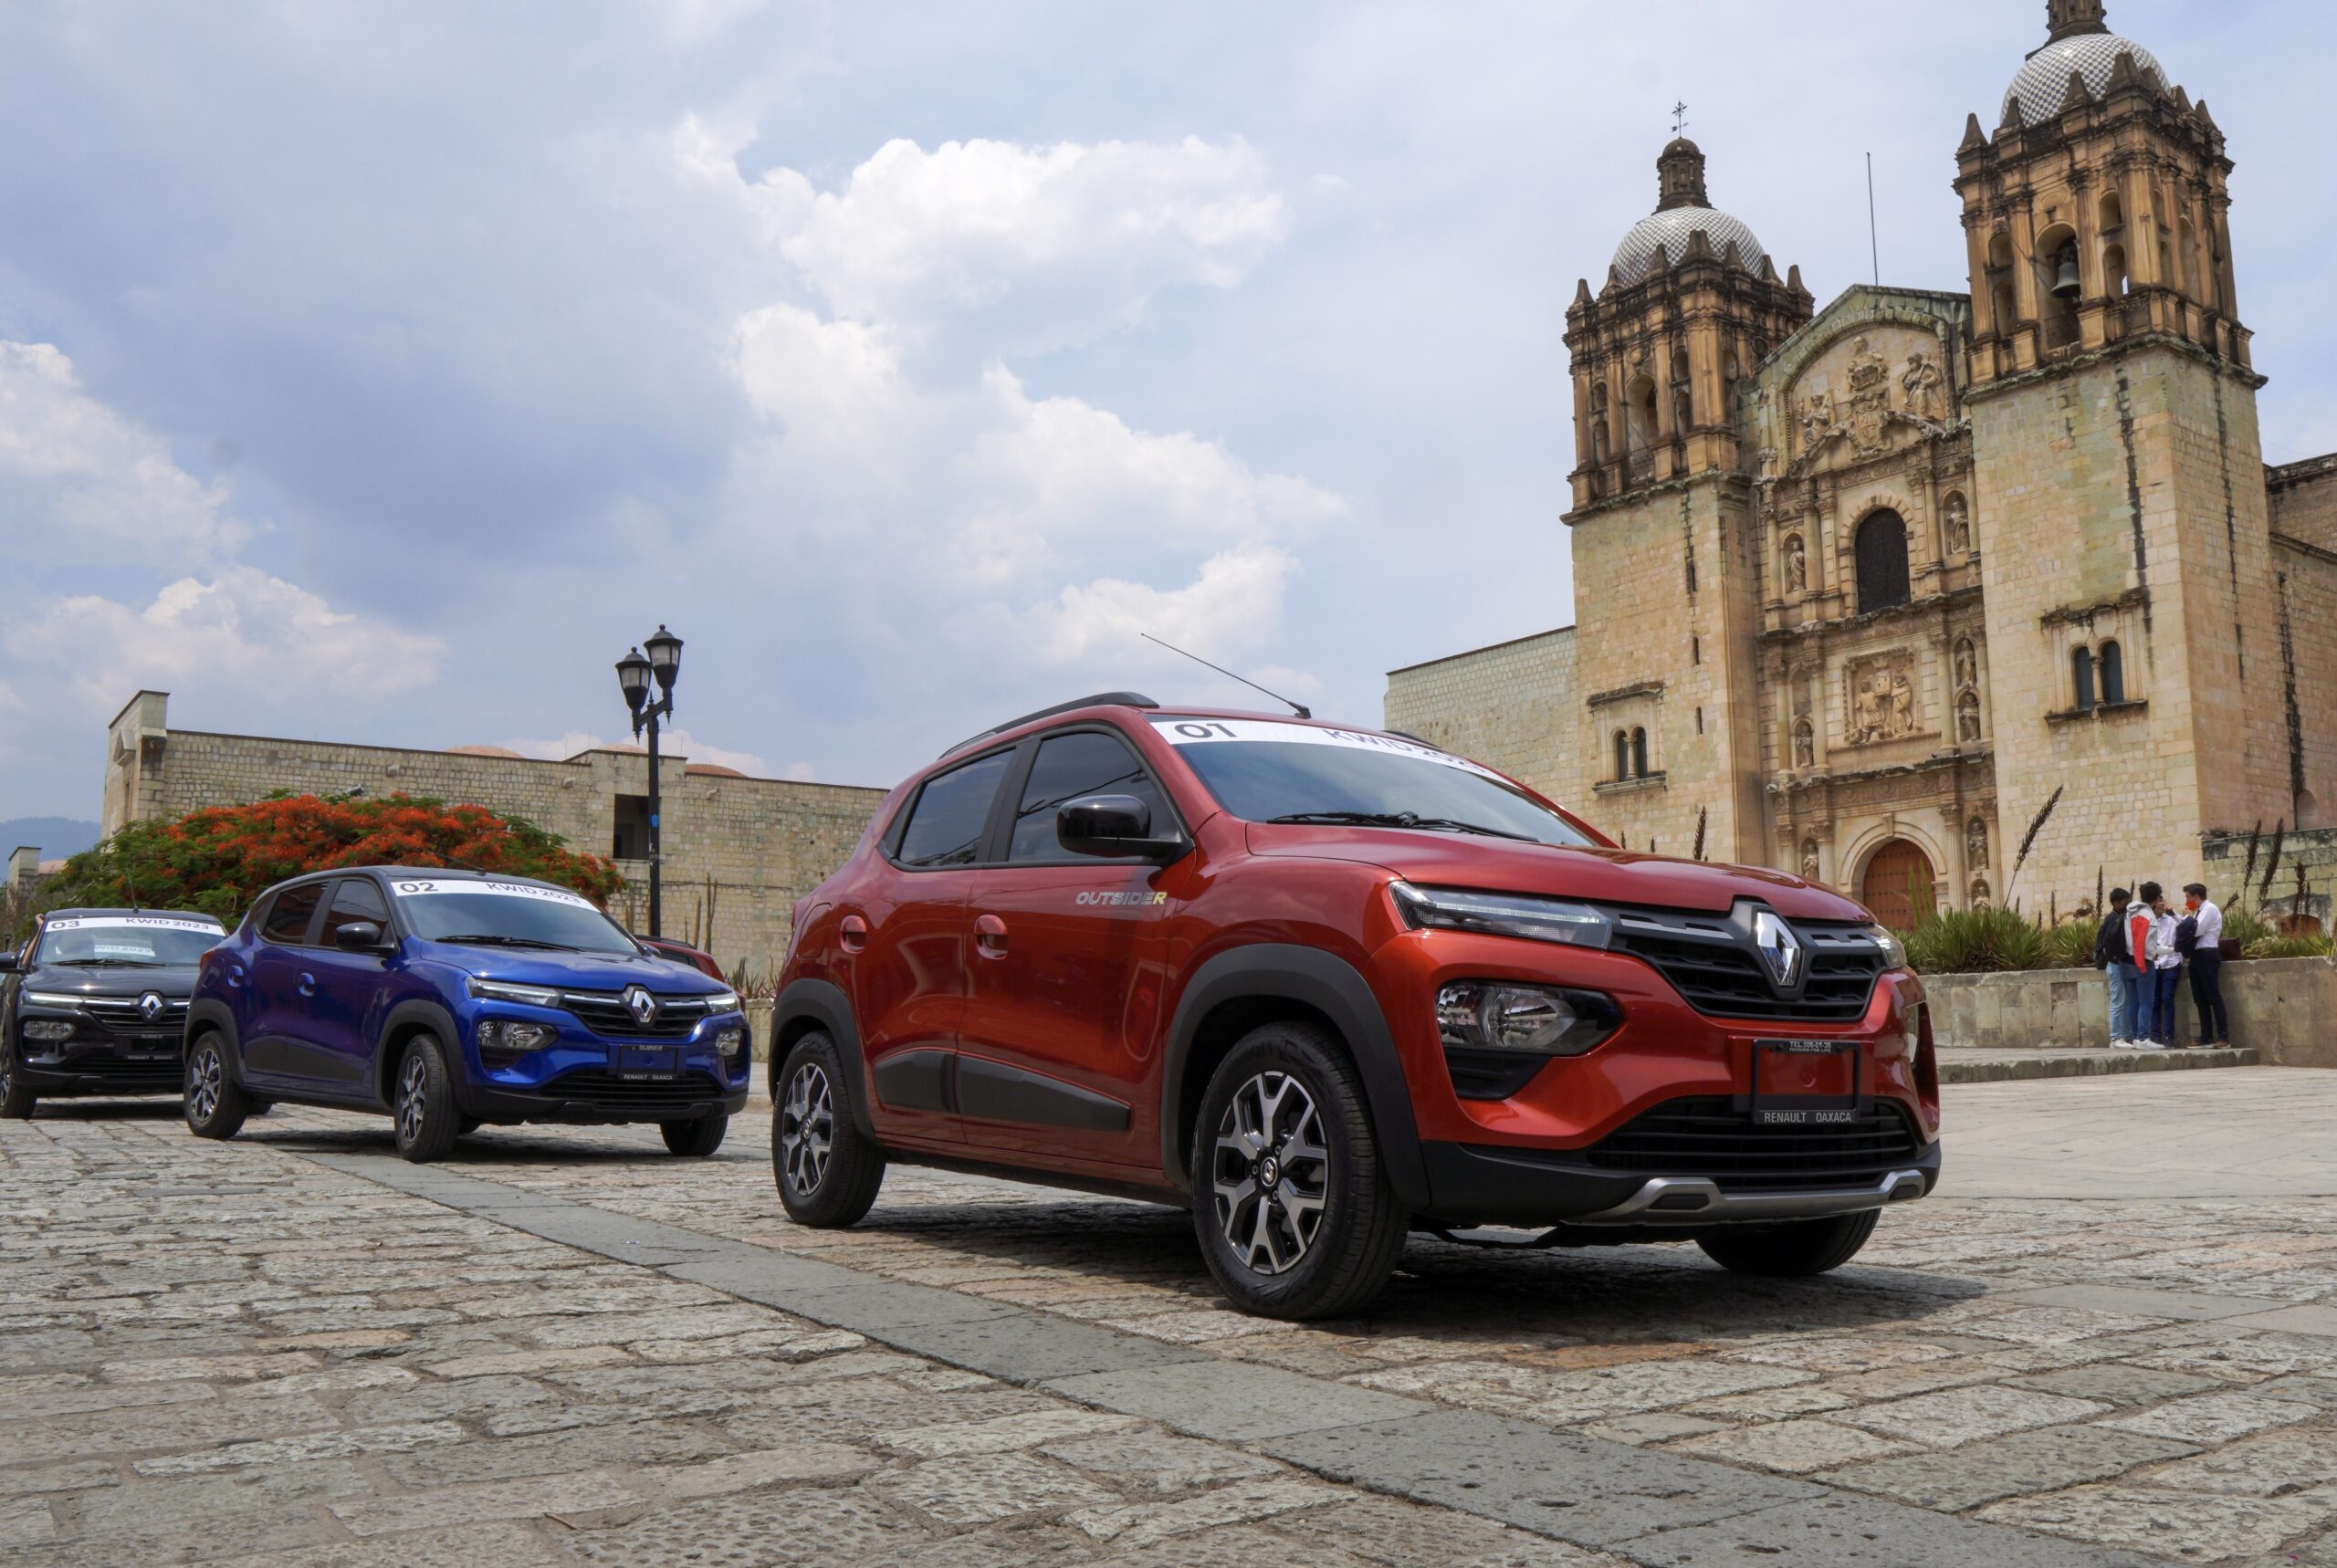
pixel 2058 285
pixel 1881 548
pixel 1638 414
pixel 1622 757
pixel 2110 665
pixel 2113 270
pixel 1601 437
pixel 1639 753
pixel 2081 676
pixel 2187 258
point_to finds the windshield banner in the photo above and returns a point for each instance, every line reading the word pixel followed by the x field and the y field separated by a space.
pixel 136 922
pixel 1204 731
pixel 499 889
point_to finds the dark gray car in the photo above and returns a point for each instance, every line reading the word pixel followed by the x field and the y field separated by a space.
pixel 96 1004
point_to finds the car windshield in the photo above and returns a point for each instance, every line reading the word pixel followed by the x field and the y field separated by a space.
pixel 506 914
pixel 145 941
pixel 1265 770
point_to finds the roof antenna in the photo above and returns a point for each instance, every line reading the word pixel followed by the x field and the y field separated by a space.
pixel 1301 709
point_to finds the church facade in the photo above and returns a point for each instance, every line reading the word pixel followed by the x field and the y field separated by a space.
pixel 1869 593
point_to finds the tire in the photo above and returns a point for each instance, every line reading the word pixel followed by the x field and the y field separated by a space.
pixel 16 1100
pixel 1793 1251
pixel 215 1103
pixel 696 1139
pixel 467 1125
pixel 422 1102
pixel 826 1170
pixel 1285 1112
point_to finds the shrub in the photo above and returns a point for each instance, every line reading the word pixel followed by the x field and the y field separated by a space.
pixel 1977 941
pixel 218 860
pixel 2069 946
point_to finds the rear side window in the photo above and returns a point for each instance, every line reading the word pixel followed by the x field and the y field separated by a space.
pixel 288 917
pixel 1070 768
pixel 354 900
pixel 945 826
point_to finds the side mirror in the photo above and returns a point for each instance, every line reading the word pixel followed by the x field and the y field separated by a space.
pixel 360 934
pixel 8 965
pixel 1115 827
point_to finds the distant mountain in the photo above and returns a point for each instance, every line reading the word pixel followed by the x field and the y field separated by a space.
pixel 55 837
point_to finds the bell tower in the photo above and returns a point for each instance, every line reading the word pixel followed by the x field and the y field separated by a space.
pixel 2123 538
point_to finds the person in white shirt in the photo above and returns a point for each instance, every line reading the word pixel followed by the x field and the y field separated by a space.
pixel 2212 1024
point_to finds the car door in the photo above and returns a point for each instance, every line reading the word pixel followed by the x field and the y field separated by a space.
pixel 336 1032
pixel 1063 990
pixel 905 940
pixel 280 980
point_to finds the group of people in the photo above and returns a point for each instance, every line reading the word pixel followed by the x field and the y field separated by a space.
pixel 2145 948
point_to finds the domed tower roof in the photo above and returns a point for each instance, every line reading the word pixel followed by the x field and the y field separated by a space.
pixel 2081 42
pixel 1683 210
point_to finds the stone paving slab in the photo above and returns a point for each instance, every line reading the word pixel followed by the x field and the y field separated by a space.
pixel 1968 1065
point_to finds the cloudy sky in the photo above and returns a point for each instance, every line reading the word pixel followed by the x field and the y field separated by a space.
pixel 378 372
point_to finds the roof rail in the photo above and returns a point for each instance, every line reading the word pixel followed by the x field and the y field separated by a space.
pixel 1101 699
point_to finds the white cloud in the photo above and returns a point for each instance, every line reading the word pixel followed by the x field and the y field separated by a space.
pixel 81 483
pixel 1226 606
pixel 1041 246
pixel 670 742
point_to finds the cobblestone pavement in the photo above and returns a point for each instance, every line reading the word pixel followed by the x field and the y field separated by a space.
pixel 215 1350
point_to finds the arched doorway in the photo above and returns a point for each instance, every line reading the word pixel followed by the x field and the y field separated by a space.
pixel 1898 885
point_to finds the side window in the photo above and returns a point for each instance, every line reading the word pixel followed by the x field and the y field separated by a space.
pixel 1068 767
pixel 288 917
pixel 946 825
pixel 353 899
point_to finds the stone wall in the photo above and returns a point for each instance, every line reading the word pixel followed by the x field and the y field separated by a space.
pixel 2279 1006
pixel 748 847
pixel 2304 500
pixel 1510 706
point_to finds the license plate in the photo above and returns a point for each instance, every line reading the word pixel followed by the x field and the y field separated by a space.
pixel 1782 1116
pixel 649 1077
pixel 1791 1088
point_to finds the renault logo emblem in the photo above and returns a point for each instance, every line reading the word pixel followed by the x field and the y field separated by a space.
pixel 640 1005
pixel 150 1005
pixel 1780 949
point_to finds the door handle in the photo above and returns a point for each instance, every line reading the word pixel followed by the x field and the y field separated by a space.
pixel 308 985
pixel 852 934
pixel 990 936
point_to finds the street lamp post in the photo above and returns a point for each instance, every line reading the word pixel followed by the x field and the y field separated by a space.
pixel 663 663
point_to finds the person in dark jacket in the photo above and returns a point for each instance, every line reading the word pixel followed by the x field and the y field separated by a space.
pixel 2110 957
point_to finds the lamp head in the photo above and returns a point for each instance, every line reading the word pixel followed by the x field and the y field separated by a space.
pixel 633 678
pixel 665 651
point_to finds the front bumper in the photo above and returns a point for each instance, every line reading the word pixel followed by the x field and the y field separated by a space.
pixel 584 1076
pixel 80 1068
pixel 588 1099
pixel 1479 1184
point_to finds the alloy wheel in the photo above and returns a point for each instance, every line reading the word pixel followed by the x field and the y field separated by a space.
pixel 413 1084
pixel 807 1129
pixel 202 1076
pixel 1271 1173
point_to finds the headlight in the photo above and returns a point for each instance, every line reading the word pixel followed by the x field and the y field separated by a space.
pixel 1501 915
pixel 1894 952
pixel 1535 1020
pixel 49 1028
pixel 722 1003
pixel 53 1000
pixel 505 991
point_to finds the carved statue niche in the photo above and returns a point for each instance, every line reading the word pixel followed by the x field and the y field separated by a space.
pixel 1967 717
pixel 1958 515
pixel 1979 893
pixel 1796 565
pixel 1881 700
pixel 1809 859
pixel 1975 844
pixel 1967 664
pixel 1817 421
pixel 1805 744
pixel 1922 382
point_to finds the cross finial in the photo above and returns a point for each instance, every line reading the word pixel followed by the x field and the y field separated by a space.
pixel 1679 118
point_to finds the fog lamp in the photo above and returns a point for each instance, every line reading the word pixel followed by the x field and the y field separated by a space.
pixel 731 1045
pixel 507 1040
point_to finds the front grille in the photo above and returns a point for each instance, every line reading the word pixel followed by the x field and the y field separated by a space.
pixel 604 1091
pixel 1709 1136
pixel 604 1013
pixel 1715 968
pixel 121 1014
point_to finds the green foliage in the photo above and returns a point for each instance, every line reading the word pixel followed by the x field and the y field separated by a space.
pixel 1977 941
pixel 2261 939
pixel 2069 946
pixel 218 860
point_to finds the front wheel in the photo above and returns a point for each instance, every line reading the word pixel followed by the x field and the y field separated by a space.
pixel 695 1139
pixel 1294 1213
pixel 216 1104
pixel 1792 1251
pixel 422 1106
pixel 16 1100
pixel 827 1172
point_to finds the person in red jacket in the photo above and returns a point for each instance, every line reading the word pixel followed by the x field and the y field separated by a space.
pixel 2144 943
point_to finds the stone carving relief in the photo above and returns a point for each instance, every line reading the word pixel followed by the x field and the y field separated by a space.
pixel 1809 859
pixel 1881 700
pixel 1967 664
pixel 1967 718
pixel 1975 844
pixel 1922 382
pixel 1869 397
pixel 1817 421
pixel 1958 515
pixel 1980 892
pixel 1805 744
pixel 1796 565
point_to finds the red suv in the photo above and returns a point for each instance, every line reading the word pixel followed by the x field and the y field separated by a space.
pixel 1324 987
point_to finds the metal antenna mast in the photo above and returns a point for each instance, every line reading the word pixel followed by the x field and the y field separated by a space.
pixel 1301 709
pixel 1873 235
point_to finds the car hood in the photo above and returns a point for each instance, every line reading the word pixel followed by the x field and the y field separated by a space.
pixel 122 980
pixel 1594 874
pixel 575 971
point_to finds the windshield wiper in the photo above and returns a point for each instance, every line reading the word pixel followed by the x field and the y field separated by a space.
pixel 484 940
pixel 1400 820
pixel 102 963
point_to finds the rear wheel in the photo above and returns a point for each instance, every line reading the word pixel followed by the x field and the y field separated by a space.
pixel 696 1139
pixel 215 1103
pixel 827 1172
pixel 1294 1213
pixel 1794 1249
pixel 16 1100
pixel 421 1104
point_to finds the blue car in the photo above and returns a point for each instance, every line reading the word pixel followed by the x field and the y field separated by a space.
pixel 447 999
